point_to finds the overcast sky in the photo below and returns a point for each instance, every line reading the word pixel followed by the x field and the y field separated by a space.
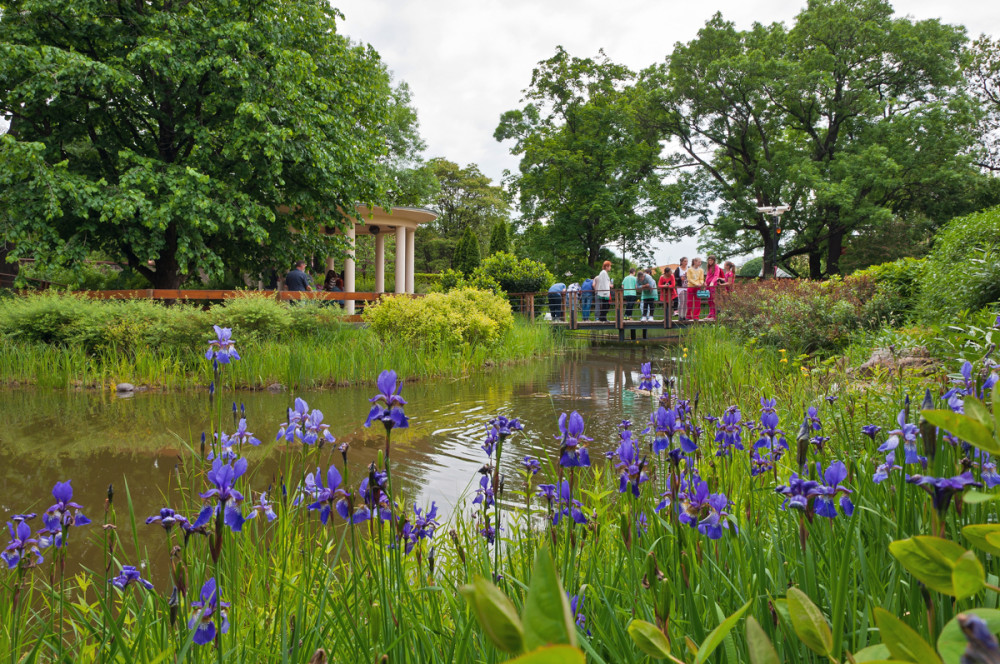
pixel 468 61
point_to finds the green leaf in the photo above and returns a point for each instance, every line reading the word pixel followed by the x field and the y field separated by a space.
pixel 496 614
pixel 809 623
pixel 979 534
pixel 551 655
pixel 716 636
pixel 761 649
pixel 968 575
pixel 546 618
pixel 875 653
pixel 965 427
pixel 951 643
pixel 649 638
pixel 978 411
pixel 902 641
pixel 976 497
pixel 929 559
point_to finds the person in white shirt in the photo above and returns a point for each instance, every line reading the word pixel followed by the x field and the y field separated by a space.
pixel 602 285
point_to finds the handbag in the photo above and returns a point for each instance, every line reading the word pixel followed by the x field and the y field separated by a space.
pixel 704 294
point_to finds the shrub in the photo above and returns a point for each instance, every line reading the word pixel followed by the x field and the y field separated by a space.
pixel 450 279
pixel 897 284
pixel 963 269
pixel 751 268
pixel 516 276
pixel 253 313
pixel 461 316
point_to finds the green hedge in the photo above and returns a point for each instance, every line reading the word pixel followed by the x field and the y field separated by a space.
pixel 458 317
pixel 514 275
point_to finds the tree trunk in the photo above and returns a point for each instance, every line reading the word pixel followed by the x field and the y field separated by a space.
pixel 815 264
pixel 770 251
pixel 834 247
pixel 168 273
pixel 8 271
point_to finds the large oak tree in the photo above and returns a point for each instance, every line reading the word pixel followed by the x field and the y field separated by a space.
pixel 169 132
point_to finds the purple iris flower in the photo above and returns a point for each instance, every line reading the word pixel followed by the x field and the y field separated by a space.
pixel 871 430
pixel 760 463
pixel 646 380
pixel 387 405
pixel 224 476
pixel 909 434
pixel 490 444
pixel 489 533
pixel 812 419
pixel 941 489
pixel 573 452
pixel 729 432
pixel 485 494
pixel 296 417
pixel 63 515
pixel 203 621
pixel 313 429
pixel 422 527
pixel 799 491
pixel 129 576
pixel 664 423
pixel 882 472
pixel 989 473
pixel 982 647
pixel 831 398
pixel 835 473
pixel 331 496
pixel 630 466
pixel 222 350
pixel 576 610
pixel 531 465
pixel 20 546
pixel 505 427
pixel 770 435
pixel 820 442
pixel 373 492
pixel 167 518
pixel 263 507
pixel 243 436
pixel 700 509
pixel 567 506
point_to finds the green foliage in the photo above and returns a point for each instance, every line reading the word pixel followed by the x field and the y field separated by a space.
pixel 962 272
pixel 516 276
pixel 451 279
pixel 466 199
pixel 461 316
pixel 899 280
pixel 253 313
pixel 467 257
pixel 184 132
pixel 499 238
pixel 590 159
pixel 752 267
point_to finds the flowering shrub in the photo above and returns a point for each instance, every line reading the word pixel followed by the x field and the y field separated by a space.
pixel 461 316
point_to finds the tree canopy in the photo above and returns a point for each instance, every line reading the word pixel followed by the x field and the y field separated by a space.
pixel 171 133
pixel 591 170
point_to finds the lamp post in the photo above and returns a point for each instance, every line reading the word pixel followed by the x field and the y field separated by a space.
pixel 774 211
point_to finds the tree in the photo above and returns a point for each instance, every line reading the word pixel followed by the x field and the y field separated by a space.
pixel 467 257
pixel 590 169
pixel 466 198
pixel 172 133
pixel 499 239
pixel 982 73
pixel 851 117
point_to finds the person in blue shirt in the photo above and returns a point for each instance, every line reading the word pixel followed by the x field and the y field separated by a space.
pixel 297 279
pixel 556 292
pixel 587 297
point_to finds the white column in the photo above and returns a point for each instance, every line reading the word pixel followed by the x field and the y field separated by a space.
pixel 410 233
pixel 329 264
pixel 349 268
pixel 379 263
pixel 400 259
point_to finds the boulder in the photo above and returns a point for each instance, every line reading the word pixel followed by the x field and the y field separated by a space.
pixel 124 388
pixel 908 359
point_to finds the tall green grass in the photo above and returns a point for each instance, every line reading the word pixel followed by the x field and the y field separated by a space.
pixel 335 355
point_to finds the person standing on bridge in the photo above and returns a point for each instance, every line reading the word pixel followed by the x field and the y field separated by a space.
pixel 648 296
pixel 695 283
pixel 297 279
pixel 668 293
pixel 680 282
pixel 556 293
pixel 602 285
pixel 628 292
pixel 586 297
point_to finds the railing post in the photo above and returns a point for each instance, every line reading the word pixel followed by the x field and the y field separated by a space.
pixel 531 306
pixel 668 313
pixel 619 318
pixel 572 309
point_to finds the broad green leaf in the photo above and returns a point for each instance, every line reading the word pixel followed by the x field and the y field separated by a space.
pixel 976 497
pixel 996 407
pixel 978 411
pixel 546 618
pixel 649 638
pixel 496 614
pixel 929 559
pixel 875 653
pixel 551 655
pixel 716 636
pixel 902 641
pixel 761 649
pixel 951 643
pixel 809 623
pixel 968 576
pixel 965 427
pixel 979 534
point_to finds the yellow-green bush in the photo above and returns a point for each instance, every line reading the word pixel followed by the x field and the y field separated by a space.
pixel 253 313
pixel 442 319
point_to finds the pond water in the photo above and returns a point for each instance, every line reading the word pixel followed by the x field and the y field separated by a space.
pixel 97 439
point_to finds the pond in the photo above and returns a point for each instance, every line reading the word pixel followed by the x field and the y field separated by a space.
pixel 134 444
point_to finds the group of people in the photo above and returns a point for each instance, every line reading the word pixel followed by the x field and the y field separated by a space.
pixel 298 279
pixel 687 289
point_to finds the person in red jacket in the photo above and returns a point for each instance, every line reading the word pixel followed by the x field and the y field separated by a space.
pixel 668 290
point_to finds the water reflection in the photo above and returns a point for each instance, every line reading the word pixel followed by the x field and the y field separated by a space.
pixel 136 444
